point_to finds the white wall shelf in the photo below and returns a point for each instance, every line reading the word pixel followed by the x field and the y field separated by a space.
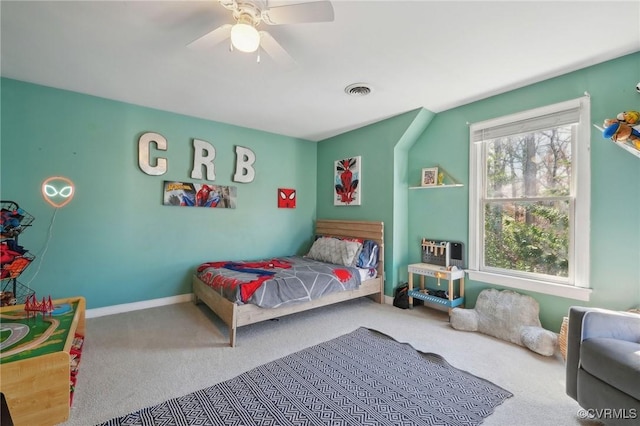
pixel 451 181
pixel 627 146
pixel 436 186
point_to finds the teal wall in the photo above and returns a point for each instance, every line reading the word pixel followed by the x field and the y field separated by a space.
pixel 115 242
pixel 615 184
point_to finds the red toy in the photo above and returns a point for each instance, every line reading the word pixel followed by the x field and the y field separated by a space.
pixel 32 307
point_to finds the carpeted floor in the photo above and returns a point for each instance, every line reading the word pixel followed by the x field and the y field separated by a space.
pixel 142 358
pixel 361 378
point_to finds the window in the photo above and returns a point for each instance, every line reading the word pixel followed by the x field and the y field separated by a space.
pixel 529 200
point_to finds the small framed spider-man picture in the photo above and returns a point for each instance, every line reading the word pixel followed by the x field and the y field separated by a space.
pixel 286 198
pixel 347 182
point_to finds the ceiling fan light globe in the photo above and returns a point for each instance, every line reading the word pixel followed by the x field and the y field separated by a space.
pixel 245 38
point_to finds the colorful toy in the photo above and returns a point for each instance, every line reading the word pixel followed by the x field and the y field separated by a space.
pixel 32 306
pixel 621 131
pixel 10 222
pixel 630 117
pixel 7 298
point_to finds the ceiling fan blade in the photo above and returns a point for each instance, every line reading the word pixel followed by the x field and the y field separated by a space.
pixel 316 11
pixel 211 39
pixel 276 51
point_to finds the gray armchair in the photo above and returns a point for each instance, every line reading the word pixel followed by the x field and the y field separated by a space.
pixel 603 363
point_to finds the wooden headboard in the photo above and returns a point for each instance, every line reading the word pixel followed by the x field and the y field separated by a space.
pixel 356 229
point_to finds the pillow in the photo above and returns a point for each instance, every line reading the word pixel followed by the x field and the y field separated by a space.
pixel 357 240
pixel 368 257
pixel 336 251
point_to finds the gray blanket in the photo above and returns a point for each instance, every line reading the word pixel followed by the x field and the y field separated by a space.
pixel 272 283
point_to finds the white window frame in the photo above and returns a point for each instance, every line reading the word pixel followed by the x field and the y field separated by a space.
pixel 580 231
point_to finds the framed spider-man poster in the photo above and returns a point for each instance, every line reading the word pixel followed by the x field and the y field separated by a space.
pixel 347 182
pixel 199 195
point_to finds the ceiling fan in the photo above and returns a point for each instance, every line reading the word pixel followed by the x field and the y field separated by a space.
pixel 249 14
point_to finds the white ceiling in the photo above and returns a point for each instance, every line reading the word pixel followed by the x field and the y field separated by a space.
pixel 435 55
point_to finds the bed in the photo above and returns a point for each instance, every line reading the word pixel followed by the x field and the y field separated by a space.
pixel 236 313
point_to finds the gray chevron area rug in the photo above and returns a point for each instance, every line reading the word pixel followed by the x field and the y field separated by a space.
pixel 361 378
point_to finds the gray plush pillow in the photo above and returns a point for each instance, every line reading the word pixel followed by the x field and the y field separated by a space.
pixel 336 251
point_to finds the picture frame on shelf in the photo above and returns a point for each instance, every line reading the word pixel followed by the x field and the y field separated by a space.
pixel 429 176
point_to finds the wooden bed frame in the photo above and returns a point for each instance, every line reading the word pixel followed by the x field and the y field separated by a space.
pixel 235 315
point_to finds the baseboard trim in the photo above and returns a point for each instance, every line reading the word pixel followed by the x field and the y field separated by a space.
pixel 154 303
pixel 136 306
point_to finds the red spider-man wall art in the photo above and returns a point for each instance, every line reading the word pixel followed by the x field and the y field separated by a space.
pixel 347 182
pixel 286 198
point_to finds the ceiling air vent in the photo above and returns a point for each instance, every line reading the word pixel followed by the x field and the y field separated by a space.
pixel 357 89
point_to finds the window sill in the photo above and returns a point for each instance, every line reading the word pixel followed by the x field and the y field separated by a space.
pixel 568 291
